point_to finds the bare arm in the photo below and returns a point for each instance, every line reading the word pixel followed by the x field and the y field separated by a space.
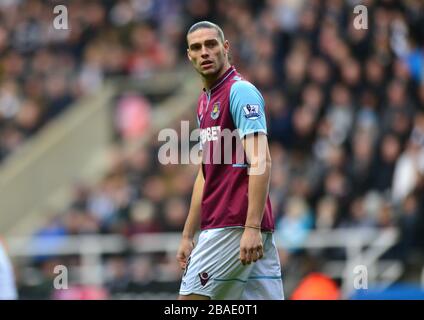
pixel 192 223
pixel 259 158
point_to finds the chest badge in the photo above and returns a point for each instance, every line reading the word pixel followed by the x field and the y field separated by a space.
pixel 215 111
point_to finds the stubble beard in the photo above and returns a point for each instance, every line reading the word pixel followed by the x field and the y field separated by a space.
pixel 213 75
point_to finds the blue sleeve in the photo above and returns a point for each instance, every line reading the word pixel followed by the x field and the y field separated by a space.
pixel 247 107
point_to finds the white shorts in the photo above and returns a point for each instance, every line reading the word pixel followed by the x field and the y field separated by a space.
pixel 214 268
pixel 7 280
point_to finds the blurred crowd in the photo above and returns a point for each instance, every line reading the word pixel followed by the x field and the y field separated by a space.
pixel 43 69
pixel 345 112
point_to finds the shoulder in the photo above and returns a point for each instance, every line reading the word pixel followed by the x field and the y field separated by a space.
pixel 242 87
pixel 243 92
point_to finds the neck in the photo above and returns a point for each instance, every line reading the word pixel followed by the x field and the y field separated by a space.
pixel 208 82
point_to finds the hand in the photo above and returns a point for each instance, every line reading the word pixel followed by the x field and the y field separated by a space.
pixel 184 251
pixel 251 248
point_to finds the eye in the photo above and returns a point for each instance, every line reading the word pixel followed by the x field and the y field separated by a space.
pixel 210 44
pixel 195 47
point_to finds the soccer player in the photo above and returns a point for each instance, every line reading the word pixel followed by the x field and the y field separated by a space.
pixel 7 279
pixel 236 256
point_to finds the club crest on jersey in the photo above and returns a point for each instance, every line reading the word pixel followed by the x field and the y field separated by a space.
pixel 215 111
pixel 251 111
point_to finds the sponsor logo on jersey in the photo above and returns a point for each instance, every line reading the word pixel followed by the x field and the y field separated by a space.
pixel 209 134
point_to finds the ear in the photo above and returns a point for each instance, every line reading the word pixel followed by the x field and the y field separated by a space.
pixel 226 46
pixel 188 54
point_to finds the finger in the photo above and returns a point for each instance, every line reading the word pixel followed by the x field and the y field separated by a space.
pixel 183 264
pixel 181 257
pixel 260 252
pixel 255 255
pixel 243 256
pixel 181 260
pixel 186 255
pixel 249 256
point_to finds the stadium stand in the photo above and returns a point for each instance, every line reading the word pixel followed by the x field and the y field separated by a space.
pixel 345 119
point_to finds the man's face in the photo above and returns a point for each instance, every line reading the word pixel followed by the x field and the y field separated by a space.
pixel 206 51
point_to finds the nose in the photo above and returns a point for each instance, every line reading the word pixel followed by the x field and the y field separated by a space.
pixel 204 52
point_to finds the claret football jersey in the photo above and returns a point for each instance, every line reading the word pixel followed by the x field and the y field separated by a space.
pixel 232 106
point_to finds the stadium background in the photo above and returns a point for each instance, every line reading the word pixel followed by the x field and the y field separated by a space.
pixel 81 110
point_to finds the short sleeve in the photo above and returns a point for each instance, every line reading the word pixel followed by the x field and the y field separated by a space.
pixel 247 108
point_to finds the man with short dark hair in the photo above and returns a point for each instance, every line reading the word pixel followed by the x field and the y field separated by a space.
pixel 236 256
